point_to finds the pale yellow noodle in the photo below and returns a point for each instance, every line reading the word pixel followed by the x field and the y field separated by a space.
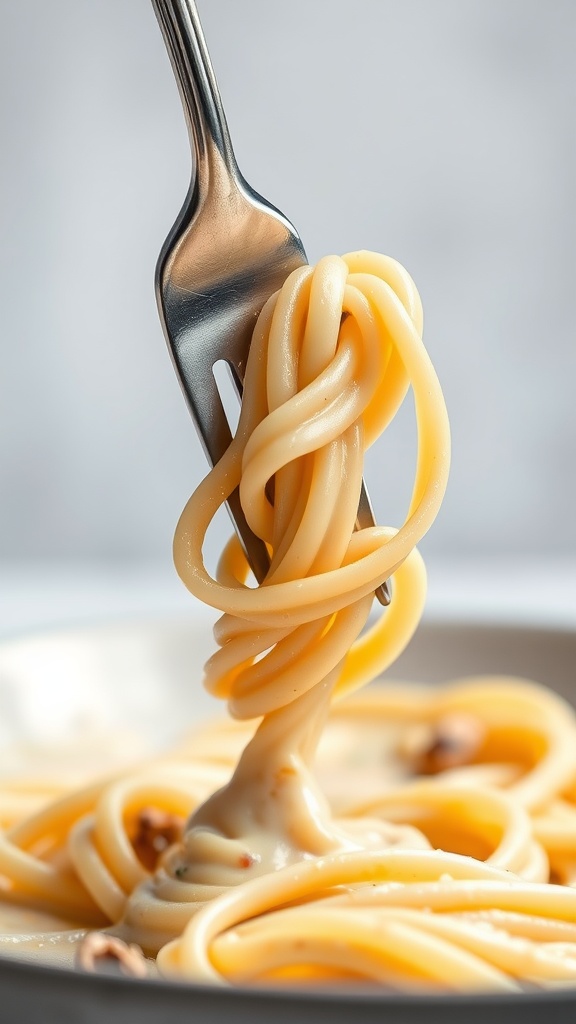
pixel 413 883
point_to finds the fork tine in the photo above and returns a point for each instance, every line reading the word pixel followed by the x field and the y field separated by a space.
pixel 214 431
pixel 228 250
pixel 364 520
pixel 255 550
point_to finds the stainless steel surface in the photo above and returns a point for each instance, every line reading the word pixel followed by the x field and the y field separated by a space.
pixel 228 251
pixel 364 520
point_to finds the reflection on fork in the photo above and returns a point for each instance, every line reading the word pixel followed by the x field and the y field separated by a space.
pixel 228 251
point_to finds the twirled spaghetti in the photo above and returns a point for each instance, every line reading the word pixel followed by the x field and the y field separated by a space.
pixel 454 867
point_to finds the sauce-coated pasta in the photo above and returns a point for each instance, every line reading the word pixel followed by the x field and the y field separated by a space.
pixel 410 837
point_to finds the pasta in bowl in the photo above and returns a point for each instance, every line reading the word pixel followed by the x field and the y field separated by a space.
pixel 125 661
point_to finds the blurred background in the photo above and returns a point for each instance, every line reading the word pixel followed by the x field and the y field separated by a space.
pixel 439 131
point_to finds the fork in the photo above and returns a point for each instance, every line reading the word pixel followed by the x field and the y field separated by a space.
pixel 227 252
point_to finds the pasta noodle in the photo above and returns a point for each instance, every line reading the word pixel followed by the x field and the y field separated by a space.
pixel 410 837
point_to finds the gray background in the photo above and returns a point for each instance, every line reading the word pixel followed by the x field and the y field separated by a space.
pixel 439 131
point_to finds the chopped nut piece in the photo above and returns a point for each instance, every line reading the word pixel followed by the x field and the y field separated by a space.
pixel 101 953
pixel 455 741
pixel 156 830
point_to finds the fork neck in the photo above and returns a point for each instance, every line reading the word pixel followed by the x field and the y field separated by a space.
pixel 209 136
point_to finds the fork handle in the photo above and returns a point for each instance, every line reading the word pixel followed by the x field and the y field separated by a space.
pixel 210 139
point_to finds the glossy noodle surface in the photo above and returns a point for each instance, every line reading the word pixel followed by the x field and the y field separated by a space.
pixel 411 838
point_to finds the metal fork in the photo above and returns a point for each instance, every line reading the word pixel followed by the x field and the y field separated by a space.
pixel 228 251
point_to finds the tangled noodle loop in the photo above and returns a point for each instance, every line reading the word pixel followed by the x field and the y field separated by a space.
pixel 332 357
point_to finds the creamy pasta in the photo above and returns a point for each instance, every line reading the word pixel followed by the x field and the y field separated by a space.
pixel 409 837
